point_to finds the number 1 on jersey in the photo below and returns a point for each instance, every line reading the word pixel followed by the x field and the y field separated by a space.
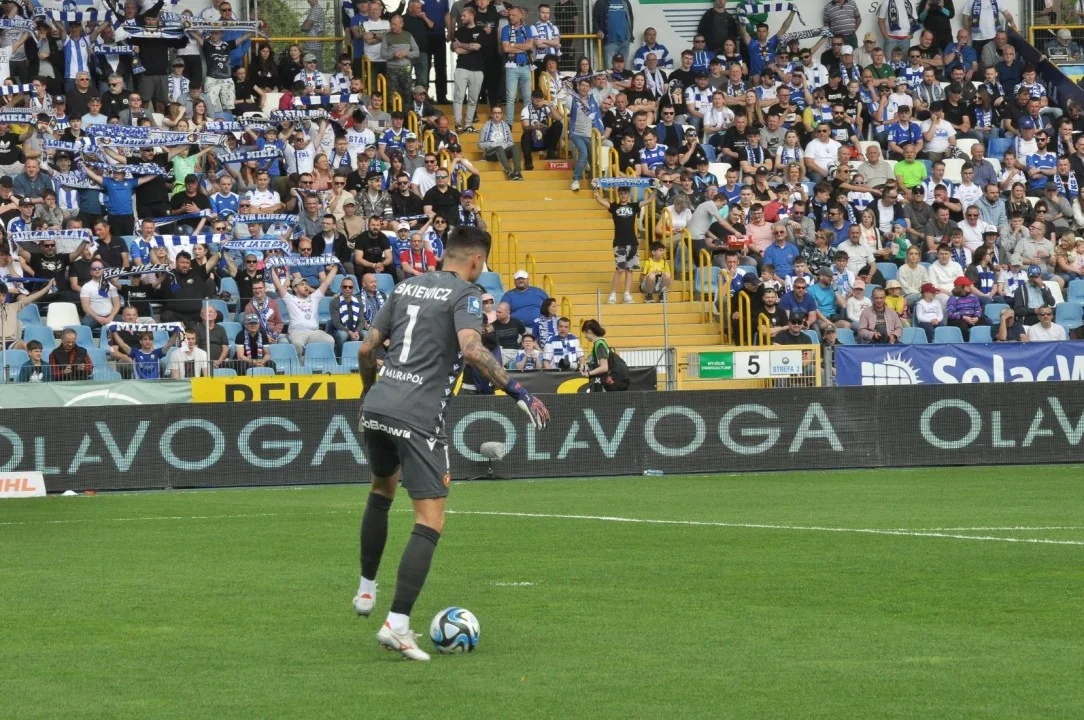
pixel 412 313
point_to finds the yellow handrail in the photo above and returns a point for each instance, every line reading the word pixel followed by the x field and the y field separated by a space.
pixel 499 251
pixel 725 301
pixel 704 287
pixel 649 223
pixel 598 46
pixel 479 201
pixel 764 330
pixel 382 88
pixel 595 153
pixel 686 243
pixel 412 121
pixel 547 285
pixel 745 320
pixel 566 308
pixel 460 180
pixel 444 159
pixel 531 265
pixel 429 140
pixel 396 102
pixel 367 75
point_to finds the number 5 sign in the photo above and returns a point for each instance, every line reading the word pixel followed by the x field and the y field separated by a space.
pixel 750 365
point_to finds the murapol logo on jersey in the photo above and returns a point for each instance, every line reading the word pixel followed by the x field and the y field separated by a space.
pixel 474 306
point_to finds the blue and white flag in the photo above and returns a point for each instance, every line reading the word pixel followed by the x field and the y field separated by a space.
pixel 265 218
pixel 619 182
pixel 15 89
pixel 271 151
pixel 68 16
pixel 262 244
pixel 300 260
pixel 325 100
pixel 295 115
pixel 138 327
pixel 171 219
pixel 18 116
pixel 181 240
pixel 114 50
pixel 77 180
pixel 36 236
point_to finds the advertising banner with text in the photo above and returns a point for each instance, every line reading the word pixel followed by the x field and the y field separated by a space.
pixel 196 445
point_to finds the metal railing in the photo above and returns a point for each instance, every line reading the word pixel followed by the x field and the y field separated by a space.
pixel 737 367
pixel 591 39
pixel 682 249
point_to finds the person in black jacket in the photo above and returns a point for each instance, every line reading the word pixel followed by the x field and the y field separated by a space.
pixel 154 56
pixel 716 25
pixel 1031 296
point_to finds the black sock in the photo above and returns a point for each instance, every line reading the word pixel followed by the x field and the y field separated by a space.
pixel 413 567
pixel 374 534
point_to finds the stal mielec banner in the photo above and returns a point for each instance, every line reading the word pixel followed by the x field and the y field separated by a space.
pixel 348 387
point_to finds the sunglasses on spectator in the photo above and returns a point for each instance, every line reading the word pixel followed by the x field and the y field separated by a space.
pixel 442 177
pixel 1045 314
pixel 97 267
pixel 48 245
pixel 430 162
pixel 306 250
pixel 344 286
pixel 251 262
pixel 339 183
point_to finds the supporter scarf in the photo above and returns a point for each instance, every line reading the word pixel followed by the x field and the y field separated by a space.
pixel 1071 186
pixel 325 100
pixel 78 146
pixel 232 126
pixel 765 8
pixel 373 303
pixel 118 273
pixel 789 155
pixel 68 16
pixel 349 312
pixel 138 327
pixel 299 261
pixel 18 23
pixel 894 15
pixel 293 115
pixel 270 151
pixel 17 117
pixel 146 33
pixel 180 240
pixel 617 182
pixel 114 50
pixel 976 11
pixel 265 218
pixel 412 218
pixel 206 26
pixel 959 256
pixel 15 89
pixel 36 236
pixel 130 171
pixel 655 83
pixel 754 156
pixel 261 244
pixel 805 35
pixel 256 339
pixel 983 118
pixel 77 180
pixel 170 219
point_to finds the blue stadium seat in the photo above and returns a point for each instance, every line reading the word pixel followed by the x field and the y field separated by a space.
pixel 913 336
pixel 980 334
pixel 1069 315
pixel 42 334
pixel 993 312
pixel 30 315
pixel 814 336
pixel 98 356
pixel 161 337
pixel 254 371
pixel 323 312
pixel 947 334
pixel 285 357
pixel 15 360
pixel 225 372
pixel 350 355
pixel 928 164
pixel 714 274
pixel 845 336
pixel 83 335
pixel 228 284
pixel 997 147
pixel 748 269
pixel 320 358
pixel 220 305
pixel 336 282
pixel 385 283
pixel 888 270
pixel 491 281
pixel 1076 291
pixel 870 287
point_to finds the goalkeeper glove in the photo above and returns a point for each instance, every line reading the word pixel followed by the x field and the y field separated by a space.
pixel 529 404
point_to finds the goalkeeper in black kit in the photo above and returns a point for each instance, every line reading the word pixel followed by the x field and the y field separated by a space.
pixel 434 323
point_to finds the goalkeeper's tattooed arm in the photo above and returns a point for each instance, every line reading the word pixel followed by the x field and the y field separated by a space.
pixel 470 343
pixel 367 358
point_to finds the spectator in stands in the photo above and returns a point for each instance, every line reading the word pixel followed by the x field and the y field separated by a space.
pixel 944 273
pixel 544 326
pixel 442 200
pixel 347 317
pixel 895 19
pixel 541 130
pixel 878 322
pixel 656 276
pixel 99 298
pixel 963 309
pixel 1046 330
pixel 35 369
pixel 146 358
pixel 212 337
pixel 185 296
pixel 1009 330
pixel 497 144
pixel 798 300
pixel 266 310
pixel 70 361
pixel 524 300
pixel 372 251
pixel 1038 251
pixel 793 335
pixel 1063 48
pixel 303 306
pixel 189 360
pixel 529 357
pixel 250 346
pixel 509 331
pixel 929 311
pixel 1031 296
pixel 563 351
pixel 417 259
pixel 372 299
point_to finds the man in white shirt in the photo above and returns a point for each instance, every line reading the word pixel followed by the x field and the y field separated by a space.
pixel 938 133
pixel 303 305
pixel 262 199
pixel 944 272
pixel 99 298
pixel 966 193
pixel 189 360
pixel 821 154
pixel 1046 330
pixel 859 255
pixel 974 227
pixel 424 178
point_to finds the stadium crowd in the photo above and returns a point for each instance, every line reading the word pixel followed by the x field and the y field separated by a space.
pixel 142 185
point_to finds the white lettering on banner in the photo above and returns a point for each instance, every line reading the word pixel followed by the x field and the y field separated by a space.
pixel 699 431
pixel 770 435
pixel 21 485
pixel 338 426
pixel 943 367
pixel 423 293
pixel 291 448
pixel 393 431
pixel 458 437
pixel 165 444
pixel 972 426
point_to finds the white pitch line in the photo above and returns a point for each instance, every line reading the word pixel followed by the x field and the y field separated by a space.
pixel 764 526
pixel 992 529
pixel 152 518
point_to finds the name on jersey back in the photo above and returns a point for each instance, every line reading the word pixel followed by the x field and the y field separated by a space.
pixel 423 293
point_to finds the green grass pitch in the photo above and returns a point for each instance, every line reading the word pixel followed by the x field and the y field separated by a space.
pixel 935 593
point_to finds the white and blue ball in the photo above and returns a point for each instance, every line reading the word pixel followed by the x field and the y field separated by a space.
pixel 454 630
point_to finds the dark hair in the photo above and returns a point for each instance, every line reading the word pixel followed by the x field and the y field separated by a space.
pixel 593 327
pixel 546 304
pixel 183 254
pixel 33 345
pixel 466 240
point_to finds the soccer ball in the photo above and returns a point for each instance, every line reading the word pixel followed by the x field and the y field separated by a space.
pixel 454 630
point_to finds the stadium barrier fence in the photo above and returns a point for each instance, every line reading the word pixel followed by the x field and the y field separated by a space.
pixel 589 434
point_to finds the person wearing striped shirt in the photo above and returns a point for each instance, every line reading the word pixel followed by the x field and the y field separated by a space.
pixel 843 19
pixel 497 144
pixel 76 51
pixel 547 37
pixel 563 351
pixel 651 46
